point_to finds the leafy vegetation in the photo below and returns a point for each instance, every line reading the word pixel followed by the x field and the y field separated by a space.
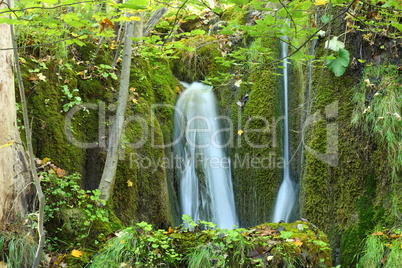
pixel 266 245
pixel 383 249
pixel 74 217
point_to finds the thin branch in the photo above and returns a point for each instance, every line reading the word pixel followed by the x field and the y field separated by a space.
pixel 55 7
pixel 287 12
pixel 176 19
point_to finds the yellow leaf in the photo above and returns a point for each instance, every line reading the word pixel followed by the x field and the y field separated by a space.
pixel 76 253
pixel 130 18
pixel 320 2
pixel 129 183
pixel 7 144
pixel 74 34
pixel 378 233
pixel 45 160
pixel 298 243
pixel 135 101
pixel 132 89
pixel 240 132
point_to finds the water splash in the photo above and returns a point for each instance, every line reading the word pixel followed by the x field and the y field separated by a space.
pixel 206 190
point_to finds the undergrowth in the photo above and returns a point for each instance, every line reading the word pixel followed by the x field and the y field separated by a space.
pixel 17 250
pixel 382 249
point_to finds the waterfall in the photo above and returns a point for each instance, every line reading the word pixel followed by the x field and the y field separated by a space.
pixel 286 196
pixel 205 182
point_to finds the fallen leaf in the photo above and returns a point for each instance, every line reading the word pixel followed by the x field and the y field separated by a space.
pixel 7 144
pixel 33 77
pixel 135 101
pixel 270 258
pixel 240 132
pixel 60 172
pixel 76 253
pixel 45 160
pixel 129 183
pixel 41 77
pixel 378 233
pixel 298 243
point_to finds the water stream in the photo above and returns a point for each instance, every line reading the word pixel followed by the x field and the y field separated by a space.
pixel 206 190
pixel 286 196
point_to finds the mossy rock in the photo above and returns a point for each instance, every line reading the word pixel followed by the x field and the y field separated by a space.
pixel 299 244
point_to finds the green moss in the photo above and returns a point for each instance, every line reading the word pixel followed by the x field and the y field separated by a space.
pixel 235 15
pixel 200 63
pixel 256 157
pixel 146 161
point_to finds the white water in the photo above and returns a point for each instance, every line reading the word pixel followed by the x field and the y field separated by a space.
pixel 286 196
pixel 206 190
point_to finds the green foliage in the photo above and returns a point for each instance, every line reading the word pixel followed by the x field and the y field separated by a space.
pixel 140 246
pixel 339 64
pixel 382 249
pixel 71 212
pixel 70 98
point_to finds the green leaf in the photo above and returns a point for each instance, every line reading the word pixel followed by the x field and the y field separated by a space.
pixel 239 2
pixel 339 64
pixel 198 32
pixel 397 25
pixel 286 234
pixel 326 18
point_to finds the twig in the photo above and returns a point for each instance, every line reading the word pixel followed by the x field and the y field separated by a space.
pixel 175 20
pixel 23 9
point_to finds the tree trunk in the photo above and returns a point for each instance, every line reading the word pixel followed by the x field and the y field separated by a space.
pixel 14 167
pixel 133 29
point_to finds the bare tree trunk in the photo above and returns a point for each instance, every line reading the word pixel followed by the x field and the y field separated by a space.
pixel 133 29
pixel 14 167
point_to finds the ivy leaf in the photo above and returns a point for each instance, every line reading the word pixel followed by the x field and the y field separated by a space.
pixel 339 64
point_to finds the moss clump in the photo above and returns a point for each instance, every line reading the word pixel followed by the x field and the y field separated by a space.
pixel 199 63
pixel 235 15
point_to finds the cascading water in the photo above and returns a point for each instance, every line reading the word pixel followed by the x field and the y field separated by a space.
pixel 286 196
pixel 206 190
